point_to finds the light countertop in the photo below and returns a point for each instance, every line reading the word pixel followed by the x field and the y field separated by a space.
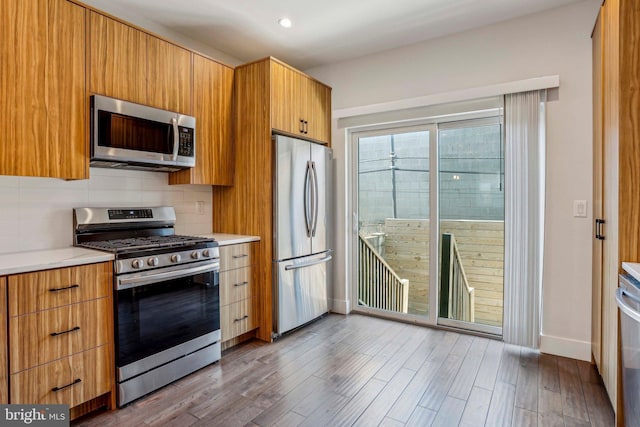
pixel 23 262
pixel 632 268
pixel 232 239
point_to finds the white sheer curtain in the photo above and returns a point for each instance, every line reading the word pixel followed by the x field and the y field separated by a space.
pixel 524 217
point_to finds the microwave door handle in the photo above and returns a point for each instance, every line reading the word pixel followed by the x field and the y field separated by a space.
pixel 176 139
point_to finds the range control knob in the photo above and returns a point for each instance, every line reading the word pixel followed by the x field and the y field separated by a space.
pixel 153 261
pixel 195 255
pixel 137 263
pixel 176 258
pixel 206 253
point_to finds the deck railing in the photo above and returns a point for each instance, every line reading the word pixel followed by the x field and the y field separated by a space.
pixel 460 300
pixel 378 285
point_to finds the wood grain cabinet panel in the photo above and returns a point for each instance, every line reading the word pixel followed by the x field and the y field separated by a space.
pixel 117 60
pixel 41 290
pixel 4 344
pixel 320 110
pixel 235 256
pixel 212 108
pixel 42 89
pixel 238 318
pixel 236 285
pixel 168 76
pixel 72 380
pixel 48 335
pixel 300 106
pixel 269 96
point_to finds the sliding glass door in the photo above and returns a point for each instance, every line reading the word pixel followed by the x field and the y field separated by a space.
pixel 393 221
pixel 429 223
pixel 471 202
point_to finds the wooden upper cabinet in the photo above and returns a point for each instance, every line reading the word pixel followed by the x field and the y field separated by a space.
pixel 300 105
pixel 129 64
pixel 287 107
pixel 168 76
pixel 117 60
pixel 212 107
pixel 320 110
pixel 42 87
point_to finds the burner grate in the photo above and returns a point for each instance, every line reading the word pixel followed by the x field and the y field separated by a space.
pixel 117 245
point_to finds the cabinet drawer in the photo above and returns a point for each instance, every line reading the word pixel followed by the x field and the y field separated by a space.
pixel 238 318
pixel 46 289
pixel 235 256
pixel 72 380
pixel 235 285
pixel 48 335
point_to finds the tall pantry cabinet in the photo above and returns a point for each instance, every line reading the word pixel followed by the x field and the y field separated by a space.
pixel 616 198
pixel 269 96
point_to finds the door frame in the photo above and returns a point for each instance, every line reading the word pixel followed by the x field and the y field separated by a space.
pixel 433 125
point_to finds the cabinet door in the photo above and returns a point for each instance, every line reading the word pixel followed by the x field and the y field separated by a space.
pixel 4 377
pixel 319 111
pixel 288 99
pixel 598 157
pixel 212 108
pixel 42 83
pixel 117 60
pixel 168 76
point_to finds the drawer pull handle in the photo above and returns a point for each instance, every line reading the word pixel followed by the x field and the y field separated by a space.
pixel 246 316
pixel 240 256
pixel 64 289
pixel 55 334
pixel 241 284
pixel 76 381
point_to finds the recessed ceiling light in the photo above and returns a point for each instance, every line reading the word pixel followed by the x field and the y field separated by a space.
pixel 285 22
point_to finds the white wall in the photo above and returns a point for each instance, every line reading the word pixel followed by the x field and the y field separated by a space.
pixel 36 213
pixel 555 42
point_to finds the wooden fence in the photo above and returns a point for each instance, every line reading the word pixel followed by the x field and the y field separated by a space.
pixel 481 248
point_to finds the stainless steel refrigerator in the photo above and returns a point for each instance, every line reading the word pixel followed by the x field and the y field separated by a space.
pixel 301 223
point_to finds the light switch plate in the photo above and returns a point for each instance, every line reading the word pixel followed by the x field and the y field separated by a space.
pixel 580 208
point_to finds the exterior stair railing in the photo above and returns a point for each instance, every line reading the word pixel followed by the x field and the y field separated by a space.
pixel 378 285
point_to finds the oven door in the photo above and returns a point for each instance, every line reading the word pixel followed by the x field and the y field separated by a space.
pixel 165 314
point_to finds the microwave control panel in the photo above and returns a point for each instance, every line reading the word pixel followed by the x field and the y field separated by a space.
pixel 186 141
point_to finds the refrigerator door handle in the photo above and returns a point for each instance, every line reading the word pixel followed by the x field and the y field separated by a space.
pixel 309 263
pixel 307 199
pixel 624 307
pixel 315 200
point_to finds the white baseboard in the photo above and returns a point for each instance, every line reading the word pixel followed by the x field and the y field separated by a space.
pixel 340 306
pixel 565 347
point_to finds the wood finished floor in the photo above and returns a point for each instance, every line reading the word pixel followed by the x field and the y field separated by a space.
pixel 364 371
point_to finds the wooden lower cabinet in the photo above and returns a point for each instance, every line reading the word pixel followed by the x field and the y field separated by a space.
pixel 238 292
pixel 41 290
pixel 238 318
pixel 60 337
pixel 72 380
pixel 4 367
pixel 52 334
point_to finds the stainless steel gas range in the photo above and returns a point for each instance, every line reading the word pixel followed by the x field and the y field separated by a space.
pixel 166 288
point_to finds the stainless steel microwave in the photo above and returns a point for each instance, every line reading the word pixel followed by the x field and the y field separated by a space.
pixel 133 136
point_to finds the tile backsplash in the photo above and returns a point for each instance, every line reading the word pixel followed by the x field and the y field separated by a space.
pixel 36 213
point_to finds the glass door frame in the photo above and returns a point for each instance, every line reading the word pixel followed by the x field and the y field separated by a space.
pixel 433 126
pixel 460 124
pixel 353 135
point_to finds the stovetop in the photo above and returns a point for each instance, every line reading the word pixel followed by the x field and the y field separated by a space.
pixel 143 243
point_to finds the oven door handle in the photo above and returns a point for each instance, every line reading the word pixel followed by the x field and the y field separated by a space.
pixel 134 282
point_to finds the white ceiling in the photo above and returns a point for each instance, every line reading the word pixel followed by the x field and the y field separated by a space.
pixel 323 31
